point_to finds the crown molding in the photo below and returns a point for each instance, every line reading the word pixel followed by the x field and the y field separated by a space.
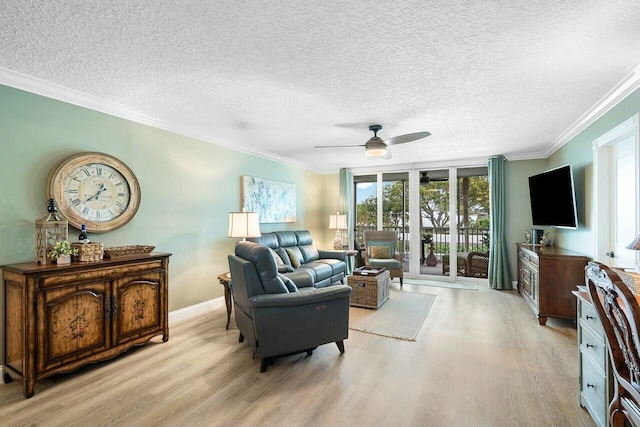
pixel 61 93
pixel 38 86
pixel 625 87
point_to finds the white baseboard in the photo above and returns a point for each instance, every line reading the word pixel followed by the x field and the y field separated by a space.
pixel 195 310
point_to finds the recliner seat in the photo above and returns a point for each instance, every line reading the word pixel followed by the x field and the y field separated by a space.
pixel 275 316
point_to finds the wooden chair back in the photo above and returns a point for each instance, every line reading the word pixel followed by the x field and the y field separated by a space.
pixel 619 314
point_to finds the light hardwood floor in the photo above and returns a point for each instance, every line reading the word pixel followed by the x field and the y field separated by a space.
pixel 480 359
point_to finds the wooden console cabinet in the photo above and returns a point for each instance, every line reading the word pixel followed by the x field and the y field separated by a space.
pixel 59 318
pixel 547 276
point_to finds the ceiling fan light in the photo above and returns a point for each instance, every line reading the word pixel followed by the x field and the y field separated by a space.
pixel 375 151
pixel 375 147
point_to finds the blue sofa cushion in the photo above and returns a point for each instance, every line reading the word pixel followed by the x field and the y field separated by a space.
pixel 286 238
pixel 267 239
pixel 309 253
pixel 320 270
pixel 337 266
pixel 303 237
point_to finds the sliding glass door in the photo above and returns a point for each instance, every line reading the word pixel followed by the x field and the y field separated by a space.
pixel 451 234
pixel 434 231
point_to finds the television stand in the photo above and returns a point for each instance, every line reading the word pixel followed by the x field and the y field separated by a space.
pixel 546 278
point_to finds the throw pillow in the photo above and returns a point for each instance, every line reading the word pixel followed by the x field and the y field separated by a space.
pixel 295 262
pixel 282 267
pixel 380 252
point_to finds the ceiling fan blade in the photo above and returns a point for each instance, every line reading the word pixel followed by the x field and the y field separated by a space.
pixel 401 139
pixel 338 146
pixel 362 125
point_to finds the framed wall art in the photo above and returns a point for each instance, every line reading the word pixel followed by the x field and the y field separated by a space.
pixel 273 200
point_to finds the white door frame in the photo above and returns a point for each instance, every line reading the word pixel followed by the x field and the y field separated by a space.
pixel 600 203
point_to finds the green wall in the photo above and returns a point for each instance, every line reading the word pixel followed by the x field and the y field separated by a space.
pixel 518 205
pixel 579 154
pixel 188 187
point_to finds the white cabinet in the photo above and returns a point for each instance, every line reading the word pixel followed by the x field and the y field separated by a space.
pixel 596 376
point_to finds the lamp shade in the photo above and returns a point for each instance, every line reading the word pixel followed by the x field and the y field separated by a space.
pixel 243 224
pixel 635 245
pixel 338 222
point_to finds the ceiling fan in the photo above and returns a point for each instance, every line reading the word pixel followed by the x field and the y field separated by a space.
pixel 377 147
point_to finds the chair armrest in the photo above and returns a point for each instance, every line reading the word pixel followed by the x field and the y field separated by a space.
pixel 336 254
pixel 293 299
pixel 399 257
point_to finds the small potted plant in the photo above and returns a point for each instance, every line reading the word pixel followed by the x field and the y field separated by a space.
pixel 62 252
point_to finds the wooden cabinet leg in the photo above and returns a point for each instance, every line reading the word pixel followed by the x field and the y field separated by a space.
pixel 27 388
pixel 542 320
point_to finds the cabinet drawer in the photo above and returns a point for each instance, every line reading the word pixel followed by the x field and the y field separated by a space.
pixel 589 317
pixel 594 392
pixel 91 274
pixel 593 346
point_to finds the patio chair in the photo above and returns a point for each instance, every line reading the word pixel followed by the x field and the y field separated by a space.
pixel 462 264
pixel 478 264
pixel 381 252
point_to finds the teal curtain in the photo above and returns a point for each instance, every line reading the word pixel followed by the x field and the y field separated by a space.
pixel 499 270
pixel 346 207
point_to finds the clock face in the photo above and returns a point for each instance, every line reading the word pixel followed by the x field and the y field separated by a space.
pixel 94 189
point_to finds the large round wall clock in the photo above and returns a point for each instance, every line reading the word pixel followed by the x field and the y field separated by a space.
pixel 94 189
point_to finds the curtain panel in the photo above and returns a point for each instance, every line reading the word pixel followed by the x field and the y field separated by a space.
pixel 347 207
pixel 499 269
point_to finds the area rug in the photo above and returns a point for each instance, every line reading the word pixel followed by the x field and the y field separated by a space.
pixel 451 285
pixel 400 317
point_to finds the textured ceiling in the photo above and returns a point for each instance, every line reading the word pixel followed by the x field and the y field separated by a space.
pixel 275 77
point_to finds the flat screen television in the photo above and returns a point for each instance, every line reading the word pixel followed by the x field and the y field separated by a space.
pixel 553 201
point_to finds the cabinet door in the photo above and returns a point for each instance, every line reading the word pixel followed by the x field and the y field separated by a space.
pixel 533 280
pixel 72 322
pixel 525 277
pixel 139 307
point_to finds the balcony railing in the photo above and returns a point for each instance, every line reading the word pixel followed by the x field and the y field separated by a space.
pixel 469 239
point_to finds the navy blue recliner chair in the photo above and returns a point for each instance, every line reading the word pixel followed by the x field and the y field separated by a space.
pixel 275 316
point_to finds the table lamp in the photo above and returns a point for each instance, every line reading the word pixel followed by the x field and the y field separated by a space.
pixel 243 224
pixel 635 245
pixel 338 222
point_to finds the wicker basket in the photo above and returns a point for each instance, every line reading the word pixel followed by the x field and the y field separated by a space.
pixel 130 250
pixel 88 252
pixel 369 291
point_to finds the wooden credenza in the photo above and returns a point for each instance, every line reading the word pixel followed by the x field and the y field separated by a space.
pixel 59 318
pixel 546 278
